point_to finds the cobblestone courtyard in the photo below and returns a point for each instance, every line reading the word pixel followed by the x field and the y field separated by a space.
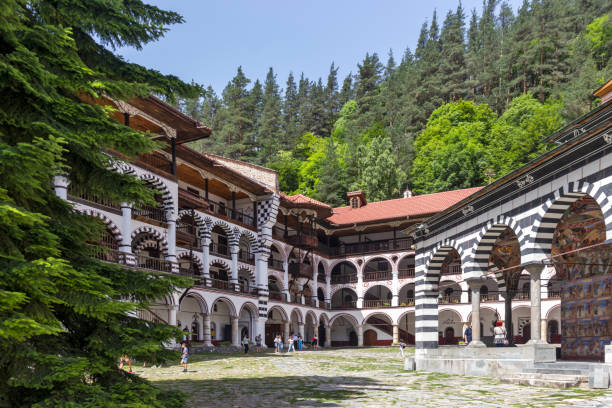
pixel 347 377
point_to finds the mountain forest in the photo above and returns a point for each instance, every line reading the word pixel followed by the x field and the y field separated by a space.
pixel 469 104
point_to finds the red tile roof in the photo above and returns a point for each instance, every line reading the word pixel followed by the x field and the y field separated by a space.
pixel 302 199
pixel 415 206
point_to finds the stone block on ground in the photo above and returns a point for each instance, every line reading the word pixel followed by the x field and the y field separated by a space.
pixel 409 364
pixel 599 377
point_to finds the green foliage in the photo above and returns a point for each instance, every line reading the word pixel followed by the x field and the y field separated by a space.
pixel 64 315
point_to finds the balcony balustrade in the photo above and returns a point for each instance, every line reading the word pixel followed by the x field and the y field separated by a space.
pixel 275 264
pixel 244 255
pixel 554 294
pixel 219 250
pixel 276 296
pixel 190 200
pixel 376 303
pixel 377 276
pixel 386 245
pixel 522 296
pixel 489 297
pixel 150 212
pixel 345 305
pixel 154 264
pixel 311 301
pixel 156 161
pixel 405 273
pixel 451 269
pixel 406 302
pixel 224 211
pixel 449 299
pixel 348 278
pixel 79 194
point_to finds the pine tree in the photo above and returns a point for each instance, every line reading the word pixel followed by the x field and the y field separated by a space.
pixel 254 112
pixel 331 98
pixel 230 139
pixel 346 93
pixel 66 317
pixel 331 188
pixel 290 112
pixel 271 120
pixel 452 64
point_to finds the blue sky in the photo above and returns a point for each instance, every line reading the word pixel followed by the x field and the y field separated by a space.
pixel 307 36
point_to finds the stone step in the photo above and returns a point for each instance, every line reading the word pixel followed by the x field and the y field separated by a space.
pixel 570 365
pixel 540 382
pixel 559 371
pixel 543 376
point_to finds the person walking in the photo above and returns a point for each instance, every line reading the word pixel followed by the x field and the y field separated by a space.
pixel 315 342
pixel 184 356
pixel 245 343
pixel 467 335
pixel 125 358
pixel 300 342
pixel 280 343
pixel 402 346
pixel 500 334
pixel 276 344
pixel 258 343
pixel 291 341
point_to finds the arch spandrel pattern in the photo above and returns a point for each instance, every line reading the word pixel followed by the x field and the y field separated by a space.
pixel 158 184
pixel 112 227
pixel 228 302
pixel 149 233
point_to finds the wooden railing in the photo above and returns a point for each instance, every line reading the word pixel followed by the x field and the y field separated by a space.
pixel 406 302
pixel 245 256
pixel 449 299
pixel 345 305
pixel 276 296
pixel 452 269
pixel 406 272
pixel 156 161
pixel 237 215
pixel 107 254
pixel 150 316
pixel 150 212
pixel 489 297
pixel 219 250
pixel 344 278
pixel 554 294
pixel 377 276
pixel 522 296
pixel 372 246
pixel 275 264
pixel 80 194
pixel 154 264
pixel 376 303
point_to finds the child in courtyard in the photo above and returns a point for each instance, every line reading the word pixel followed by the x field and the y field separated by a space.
pixel 300 342
pixel 258 343
pixel 184 356
pixel 315 342
pixel 291 346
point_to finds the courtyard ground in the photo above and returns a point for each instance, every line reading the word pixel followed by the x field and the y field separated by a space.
pixel 371 377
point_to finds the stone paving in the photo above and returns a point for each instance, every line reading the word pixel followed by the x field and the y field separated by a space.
pixel 370 377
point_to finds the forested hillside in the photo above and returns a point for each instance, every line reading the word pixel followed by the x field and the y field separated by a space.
pixel 470 103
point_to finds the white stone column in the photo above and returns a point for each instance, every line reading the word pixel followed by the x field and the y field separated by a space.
pixel 60 184
pixel 395 285
pixel 286 333
pixel 328 289
pixel 301 330
pixel 475 287
pixel 328 339
pixel 465 292
pixel 171 221
pixel 206 260
pixel 360 335
pixel 126 228
pixel 286 279
pixel 234 278
pixel 206 330
pixel 235 332
pixel 395 334
pixel 172 321
pixel 315 285
pixel 201 327
pixel 261 330
pixel 535 272
pixel 544 326
pixel 360 288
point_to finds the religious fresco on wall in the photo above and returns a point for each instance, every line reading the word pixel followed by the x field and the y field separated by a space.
pixel 586 279
pixel 506 253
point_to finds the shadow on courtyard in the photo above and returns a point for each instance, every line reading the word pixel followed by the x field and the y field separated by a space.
pixel 273 391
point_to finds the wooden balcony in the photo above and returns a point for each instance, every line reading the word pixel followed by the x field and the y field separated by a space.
pixel 300 270
pixel 377 276
pixel 405 273
pixel 191 200
pixel 376 303
pixel 303 241
pixel 348 278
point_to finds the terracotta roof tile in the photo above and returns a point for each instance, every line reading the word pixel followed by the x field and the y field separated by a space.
pixel 302 199
pixel 401 207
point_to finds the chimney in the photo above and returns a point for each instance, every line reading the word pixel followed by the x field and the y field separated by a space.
pixel 408 193
pixel 356 199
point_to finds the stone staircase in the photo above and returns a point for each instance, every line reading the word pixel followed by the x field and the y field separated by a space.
pixel 557 375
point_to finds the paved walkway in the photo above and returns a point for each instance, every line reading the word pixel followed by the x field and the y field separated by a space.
pixel 348 378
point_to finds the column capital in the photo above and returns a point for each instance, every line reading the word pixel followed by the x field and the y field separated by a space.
pixel 475 283
pixel 535 269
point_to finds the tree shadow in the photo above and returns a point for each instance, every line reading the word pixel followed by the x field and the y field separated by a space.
pixel 273 391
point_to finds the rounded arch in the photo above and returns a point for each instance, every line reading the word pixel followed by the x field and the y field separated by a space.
pixel 541 238
pixel 324 318
pixel 346 316
pixel 146 233
pixel 282 312
pixel 220 262
pixel 554 309
pixel 485 241
pixel 112 227
pixel 298 313
pixel 490 309
pixel 407 256
pixel 339 261
pixel 250 306
pixel 433 265
pixel 192 257
pixel 232 240
pixel 312 316
pixel 404 314
pixel 374 314
pixel 279 248
pixel 199 299
pixel 197 219
pixel 228 303
pixel 247 237
pixel 158 184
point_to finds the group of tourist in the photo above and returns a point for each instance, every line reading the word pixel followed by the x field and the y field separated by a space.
pixel 246 341
pixel 499 332
pixel 294 343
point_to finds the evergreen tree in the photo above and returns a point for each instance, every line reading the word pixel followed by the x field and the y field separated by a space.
pixel 271 120
pixel 230 139
pixel 346 93
pixel 67 317
pixel 452 64
pixel 254 111
pixel 331 188
pixel 290 112
pixel 331 98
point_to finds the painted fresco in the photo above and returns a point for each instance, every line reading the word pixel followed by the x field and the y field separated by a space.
pixel 586 279
pixel 506 253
